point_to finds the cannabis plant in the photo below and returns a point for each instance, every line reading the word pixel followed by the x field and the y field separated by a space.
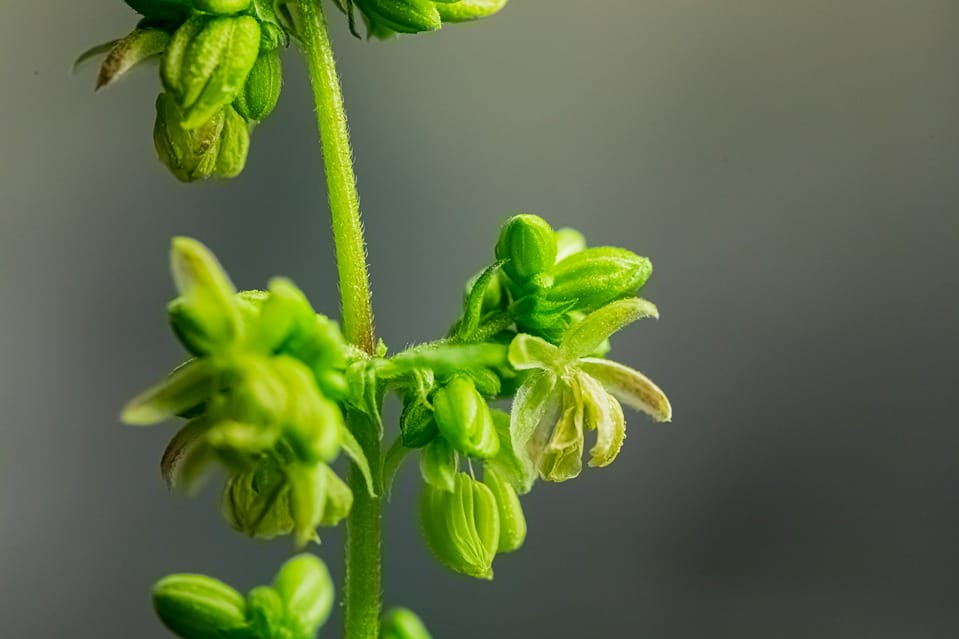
pixel 272 392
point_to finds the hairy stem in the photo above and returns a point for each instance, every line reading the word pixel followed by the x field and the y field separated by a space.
pixel 363 588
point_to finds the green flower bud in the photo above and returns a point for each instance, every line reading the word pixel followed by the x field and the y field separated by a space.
pixel 512 522
pixel 207 297
pixel 464 419
pixel 191 155
pixel 207 63
pixel 438 465
pixel 261 91
pixel 234 145
pixel 539 313
pixel 257 502
pixel 222 7
pixel 596 276
pixel 462 527
pixel 466 10
pixel 402 623
pixel 162 10
pixel 527 243
pixel 306 589
pixel 417 425
pixel 402 16
pixel 199 607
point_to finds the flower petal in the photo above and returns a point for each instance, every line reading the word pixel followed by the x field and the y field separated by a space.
pixel 630 387
pixel 586 336
pixel 536 402
pixel 529 351
pixel 604 414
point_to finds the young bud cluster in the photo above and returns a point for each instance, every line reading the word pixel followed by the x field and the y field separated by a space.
pixel 262 396
pixel 385 18
pixel 295 606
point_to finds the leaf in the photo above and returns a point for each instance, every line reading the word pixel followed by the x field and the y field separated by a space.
pixel 355 452
pixel 588 335
pixel 630 387
pixel 474 304
pixel 187 456
pixel 445 358
pixel 187 387
pixel 206 289
pixel 392 462
pixel 93 52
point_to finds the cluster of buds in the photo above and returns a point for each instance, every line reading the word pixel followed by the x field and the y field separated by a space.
pixel 221 74
pixel 294 606
pixel 261 395
pixel 385 18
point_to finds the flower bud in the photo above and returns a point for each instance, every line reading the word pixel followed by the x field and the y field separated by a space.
pixel 438 465
pixel 527 243
pixel 596 276
pixel 466 10
pixel 306 589
pixel 512 522
pixel 568 242
pixel 464 419
pixel 402 16
pixel 266 612
pixel 417 425
pixel 462 527
pixel 261 91
pixel 537 312
pixel 234 145
pixel 402 623
pixel 257 502
pixel 221 7
pixel 191 155
pixel 199 607
pixel 207 63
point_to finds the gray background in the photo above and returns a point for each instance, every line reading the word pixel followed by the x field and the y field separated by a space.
pixel 790 167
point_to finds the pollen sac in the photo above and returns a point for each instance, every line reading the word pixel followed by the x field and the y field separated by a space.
pixel 261 91
pixel 467 10
pixel 464 419
pixel 207 63
pixel 402 623
pixel 594 277
pixel 462 527
pixel 527 244
pixel 199 607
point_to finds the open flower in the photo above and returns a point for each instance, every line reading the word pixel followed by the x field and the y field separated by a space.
pixel 568 393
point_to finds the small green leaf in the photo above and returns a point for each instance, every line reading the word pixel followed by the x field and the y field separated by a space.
pixel 355 452
pixel 207 291
pixel 392 461
pixel 476 302
pixel 588 335
pixel 140 45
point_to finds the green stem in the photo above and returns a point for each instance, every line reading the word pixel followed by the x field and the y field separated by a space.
pixel 363 588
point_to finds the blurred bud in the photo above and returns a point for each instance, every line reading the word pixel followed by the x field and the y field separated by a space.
pixel 596 276
pixel 207 63
pixel 464 419
pixel 338 500
pixel 222 7
pixel 417 425
pixel 265 612
pixel 186 388
pixel 402 623
pixel 191 155
pixel 401 16
pixel 462 527
pixel 257 502
pixel 568 242
pixel 512 522
pixel 527 243
pixel 261 91
pixel 306 589
pixel 199 607
pixel 466 10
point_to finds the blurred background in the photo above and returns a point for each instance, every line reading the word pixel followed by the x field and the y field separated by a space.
pixel 792 169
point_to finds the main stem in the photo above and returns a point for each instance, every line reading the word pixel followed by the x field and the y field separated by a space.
pixel 363 588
